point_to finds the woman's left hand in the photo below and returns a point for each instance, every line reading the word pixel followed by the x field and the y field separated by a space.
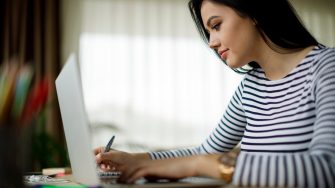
pixel 175 168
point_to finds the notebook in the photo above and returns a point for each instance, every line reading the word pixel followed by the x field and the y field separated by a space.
pixel 78 136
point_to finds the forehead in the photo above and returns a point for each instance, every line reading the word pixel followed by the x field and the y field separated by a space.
pixel 210 8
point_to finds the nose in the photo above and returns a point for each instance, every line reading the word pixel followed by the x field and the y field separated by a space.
pixel 213 42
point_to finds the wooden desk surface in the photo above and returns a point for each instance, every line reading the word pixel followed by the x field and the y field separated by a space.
pixel 73 183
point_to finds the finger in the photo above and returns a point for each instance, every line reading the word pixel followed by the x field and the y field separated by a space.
pixel 114 167
pixel 103 167
pixel 103 158
pixel 98 158
pixel 114 156
pixel 98 150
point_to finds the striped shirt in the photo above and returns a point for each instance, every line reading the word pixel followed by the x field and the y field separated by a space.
pixel 286 127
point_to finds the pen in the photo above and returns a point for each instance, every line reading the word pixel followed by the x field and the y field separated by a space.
pixel 109 145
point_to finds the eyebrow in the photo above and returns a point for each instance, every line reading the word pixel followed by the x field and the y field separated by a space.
pixel 210 19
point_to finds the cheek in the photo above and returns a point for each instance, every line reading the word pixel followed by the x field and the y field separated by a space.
pixel 235 61
pixel 243 46
pixel 238 58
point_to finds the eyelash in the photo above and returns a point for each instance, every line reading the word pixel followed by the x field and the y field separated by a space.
pixel 216 26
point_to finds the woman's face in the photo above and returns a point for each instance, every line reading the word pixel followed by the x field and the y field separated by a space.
pixel 235 38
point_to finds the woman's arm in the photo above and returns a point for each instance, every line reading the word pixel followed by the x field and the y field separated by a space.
pixel 174 168
pixel 224 137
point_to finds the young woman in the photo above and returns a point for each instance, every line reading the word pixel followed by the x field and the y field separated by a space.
pixel 282 113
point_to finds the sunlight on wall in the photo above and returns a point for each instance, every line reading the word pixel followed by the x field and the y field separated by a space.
pixel 146 73
pixel 319 18
pixel 155 87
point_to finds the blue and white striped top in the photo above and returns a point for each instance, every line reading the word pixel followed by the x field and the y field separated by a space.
pixel 286 127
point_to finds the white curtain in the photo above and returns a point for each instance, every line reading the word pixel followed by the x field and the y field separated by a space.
pixel 146 71
pixel 149 78
pixel 319 18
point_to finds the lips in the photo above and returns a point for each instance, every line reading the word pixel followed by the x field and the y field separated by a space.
pixel 223 54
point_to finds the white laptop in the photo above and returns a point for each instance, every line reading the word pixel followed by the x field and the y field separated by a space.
pixel 78 139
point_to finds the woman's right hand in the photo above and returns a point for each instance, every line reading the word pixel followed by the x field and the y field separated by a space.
pixel 113 160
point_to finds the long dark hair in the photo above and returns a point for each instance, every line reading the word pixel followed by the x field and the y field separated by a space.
pixel 276 20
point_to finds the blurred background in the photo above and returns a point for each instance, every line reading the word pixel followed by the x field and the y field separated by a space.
pixel 147 76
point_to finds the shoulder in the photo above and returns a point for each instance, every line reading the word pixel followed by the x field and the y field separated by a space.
pixel 327 54
pixel 250 79
pixel 256 75
pixel 324 59
pixel 324 66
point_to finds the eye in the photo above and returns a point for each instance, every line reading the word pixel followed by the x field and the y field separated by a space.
pixel 216 26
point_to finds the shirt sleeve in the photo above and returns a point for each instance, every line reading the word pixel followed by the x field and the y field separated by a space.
pixel 314 168
pixel 225 136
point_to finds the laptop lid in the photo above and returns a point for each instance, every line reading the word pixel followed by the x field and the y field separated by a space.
pixel 75 123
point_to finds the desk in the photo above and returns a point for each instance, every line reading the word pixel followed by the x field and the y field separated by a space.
pixel 72 183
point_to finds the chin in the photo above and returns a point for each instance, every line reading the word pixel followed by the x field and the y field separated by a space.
pixel 232 65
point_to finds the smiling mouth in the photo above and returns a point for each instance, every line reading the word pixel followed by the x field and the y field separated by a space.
pixel 223 54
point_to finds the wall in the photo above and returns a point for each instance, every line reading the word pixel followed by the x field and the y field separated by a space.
pixel 319 18
pixel 81 18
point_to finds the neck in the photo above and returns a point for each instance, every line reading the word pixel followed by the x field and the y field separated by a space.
pixel 278 65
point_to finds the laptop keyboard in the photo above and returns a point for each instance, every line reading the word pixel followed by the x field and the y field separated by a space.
pixel 112 174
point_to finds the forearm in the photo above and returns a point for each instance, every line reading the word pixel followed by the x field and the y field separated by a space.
pixel 142 156
pixel 207 165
